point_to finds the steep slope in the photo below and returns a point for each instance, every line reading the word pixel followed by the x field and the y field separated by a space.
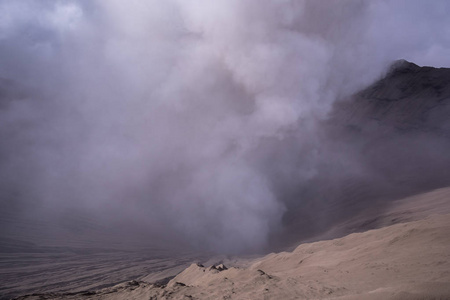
pixel 408 98
pixel 386 142
pixel 402 261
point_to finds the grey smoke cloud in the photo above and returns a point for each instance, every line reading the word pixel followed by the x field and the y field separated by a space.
pixel 164 117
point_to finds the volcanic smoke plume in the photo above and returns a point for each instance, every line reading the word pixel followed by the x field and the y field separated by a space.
pixel 200 123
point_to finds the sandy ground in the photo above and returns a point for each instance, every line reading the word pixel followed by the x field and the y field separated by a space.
pixel 413 208
pixel 409 260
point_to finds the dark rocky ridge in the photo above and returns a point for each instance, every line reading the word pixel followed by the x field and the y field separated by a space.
pixel 388 141
pixel 408 98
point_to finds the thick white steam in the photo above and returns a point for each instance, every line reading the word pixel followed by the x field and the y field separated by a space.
pixel 158 115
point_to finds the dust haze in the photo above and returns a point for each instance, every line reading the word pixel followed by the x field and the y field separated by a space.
pixel 200 124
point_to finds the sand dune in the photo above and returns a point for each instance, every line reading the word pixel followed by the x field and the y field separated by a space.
pixel 408 260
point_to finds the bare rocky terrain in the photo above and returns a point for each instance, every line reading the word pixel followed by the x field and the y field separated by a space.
pixel 378 231
pixel 386 142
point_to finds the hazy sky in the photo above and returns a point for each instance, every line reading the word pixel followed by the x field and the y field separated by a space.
pixel 165 115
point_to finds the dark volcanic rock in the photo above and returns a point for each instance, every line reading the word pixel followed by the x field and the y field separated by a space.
pixel 386 142
pixel 408 98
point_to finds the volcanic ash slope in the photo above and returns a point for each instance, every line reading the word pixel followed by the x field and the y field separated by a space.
pixel 403 261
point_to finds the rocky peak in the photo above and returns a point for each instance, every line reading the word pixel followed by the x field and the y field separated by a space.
pixel 402 66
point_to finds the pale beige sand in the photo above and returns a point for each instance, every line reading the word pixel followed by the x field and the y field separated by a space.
pixel 409 260
pixel 408 209
pixel 402 261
